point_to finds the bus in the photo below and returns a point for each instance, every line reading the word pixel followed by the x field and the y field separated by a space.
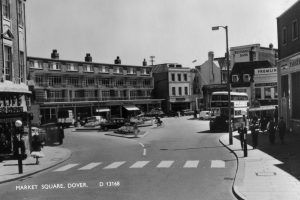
pixel 219 109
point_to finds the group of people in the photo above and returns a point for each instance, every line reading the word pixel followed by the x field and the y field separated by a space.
pixel 268 125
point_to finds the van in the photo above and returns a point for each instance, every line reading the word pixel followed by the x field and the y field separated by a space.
pixel 205 115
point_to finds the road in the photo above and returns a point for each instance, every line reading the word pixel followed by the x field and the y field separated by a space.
pixel 180 160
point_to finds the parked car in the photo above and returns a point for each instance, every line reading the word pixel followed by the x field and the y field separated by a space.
pixel 218 123
pixel 155 112
pixel 186 112
pixel 205 115
pixel 171 114
pixel 114 123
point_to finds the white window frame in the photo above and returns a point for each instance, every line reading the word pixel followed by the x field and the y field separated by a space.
pixel 246 78
pixel 235 78
pixel 295 37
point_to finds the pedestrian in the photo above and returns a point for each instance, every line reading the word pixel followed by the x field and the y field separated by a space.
pixel 254 132
pixel 135 130
pixel 281 129
pixel 61 134
pixel 36 146
pixel 263 124
pixel 242 130
pixel 195 114
pixel 272 131
pixel 276 115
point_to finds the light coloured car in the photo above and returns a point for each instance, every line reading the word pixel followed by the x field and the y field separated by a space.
pixel 205 115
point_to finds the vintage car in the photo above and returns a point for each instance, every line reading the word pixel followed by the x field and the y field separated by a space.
pixel 114 123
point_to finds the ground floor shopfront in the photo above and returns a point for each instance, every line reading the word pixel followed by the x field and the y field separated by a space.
pixel 14 121
pixel 106 109
pixel 289 91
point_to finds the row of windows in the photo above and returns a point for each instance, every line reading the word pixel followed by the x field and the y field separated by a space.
pixel 75 81
pixel 267 93
pixel 6 11
pixel 8 66
pixel 246 78
pixel 225 97
pixel 186 91
pixel 179 77
pixel 295 32
pixel 88 68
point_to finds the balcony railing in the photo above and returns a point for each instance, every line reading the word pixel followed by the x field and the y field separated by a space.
pixel 77 99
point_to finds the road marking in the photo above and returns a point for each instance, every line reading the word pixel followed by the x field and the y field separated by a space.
pixel 90 166
pixel 217 164
pixel 144 149
pixel 114 165
pixel 139 164
pixel 191 164
pixel 65 168
pixel 165 164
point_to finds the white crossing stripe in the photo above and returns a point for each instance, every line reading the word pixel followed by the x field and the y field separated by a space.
pixel 65 168
pixel 114 165
pixel 191 164
pixel 90 166
pixel 165 164
pixel 217 164
pixel 139 164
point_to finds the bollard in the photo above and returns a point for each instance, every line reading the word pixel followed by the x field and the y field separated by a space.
pixel 20 164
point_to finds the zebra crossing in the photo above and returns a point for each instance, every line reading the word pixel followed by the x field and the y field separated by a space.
pixel 164 164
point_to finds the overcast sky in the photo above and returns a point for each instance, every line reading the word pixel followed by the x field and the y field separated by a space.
pixel 171 30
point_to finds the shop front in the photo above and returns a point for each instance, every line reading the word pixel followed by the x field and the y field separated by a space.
pixel 15 124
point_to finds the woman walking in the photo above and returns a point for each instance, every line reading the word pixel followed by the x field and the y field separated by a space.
pixel 36 149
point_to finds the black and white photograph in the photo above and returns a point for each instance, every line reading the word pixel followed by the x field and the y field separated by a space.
pixel 150 100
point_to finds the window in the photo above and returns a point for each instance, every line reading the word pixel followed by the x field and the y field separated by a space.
pixel 186 92
pixel 275 92
pixel 54 80
pixel 74 81
pixel 118 70
pixel 71 67
pixel 246 77
pixel 295 30
pixel 35 64
pixel 7 63
pixel 6 8
pixel 54 66
pixel 147 82
pixel 235 78
pixel 185 77
pixel 104 69
pixel 20 13
pixel 105 93
pixel 173 91
pixel 267 93
pixel 257 93
pixel 119 82
pixel 22 67
pixel 131 70
pixel 173 77
pixel 284 35
pixel 105 82
pixel 88 68
pixel 179 77
pixel 179 91
pixel 39 80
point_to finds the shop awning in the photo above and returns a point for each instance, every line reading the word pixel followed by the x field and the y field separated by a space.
pixel 131 108
pixel 261 108
pixel 102 110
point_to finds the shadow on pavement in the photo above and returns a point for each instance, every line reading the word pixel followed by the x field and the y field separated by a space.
pixel 288 153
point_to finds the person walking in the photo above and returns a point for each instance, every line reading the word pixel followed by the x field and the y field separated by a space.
pixel 254 132
pixel 272 130
pixel 36 148
pixel 281 129
pixel 242 130
pixel 61 134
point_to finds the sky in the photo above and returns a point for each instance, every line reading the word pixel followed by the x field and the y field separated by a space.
pixel 174 31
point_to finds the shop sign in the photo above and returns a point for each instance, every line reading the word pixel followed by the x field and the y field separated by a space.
pixel 9 109
pixel 295 62
pixel 261 71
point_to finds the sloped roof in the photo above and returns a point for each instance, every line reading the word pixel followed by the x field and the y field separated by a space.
pixel 248 67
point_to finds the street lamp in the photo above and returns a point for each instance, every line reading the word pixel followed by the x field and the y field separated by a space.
pixel 18 124
pixel 214 28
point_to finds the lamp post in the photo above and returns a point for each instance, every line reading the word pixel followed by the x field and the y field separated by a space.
pixel 214 28
pixel 18 124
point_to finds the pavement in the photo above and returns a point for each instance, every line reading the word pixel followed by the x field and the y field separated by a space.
pixel 269 172
pixel 9 170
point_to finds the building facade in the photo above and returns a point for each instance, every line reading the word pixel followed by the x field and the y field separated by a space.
pixel 172 82
pixel 288 66
pixel 14 91
pixel 88 88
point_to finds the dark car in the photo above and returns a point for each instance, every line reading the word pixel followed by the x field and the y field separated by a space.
pixel 218 123
pixel 187 112
pixel 114 123
pixel 155 112
pixel 171 114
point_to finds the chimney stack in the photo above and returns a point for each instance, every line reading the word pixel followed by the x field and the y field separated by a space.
pixel 88 58
pixel 211 55
pixel 54 54
pixel 144 62
pixel 118 61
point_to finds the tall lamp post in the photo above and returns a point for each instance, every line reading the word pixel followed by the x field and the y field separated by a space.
pixel 214 28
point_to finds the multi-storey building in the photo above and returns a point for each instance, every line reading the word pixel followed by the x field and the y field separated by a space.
pixel 88 88
pixel 288 66
pixel 172 82
pixel 14 92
